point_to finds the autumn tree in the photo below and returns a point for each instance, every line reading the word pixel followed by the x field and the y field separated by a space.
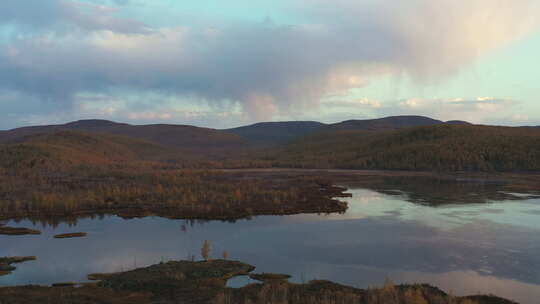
pixel 205 250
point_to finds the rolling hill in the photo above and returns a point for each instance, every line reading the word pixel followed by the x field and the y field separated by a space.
pixel 274 133
pixel 197 140
pixel 212 141
pixel 447 147
pixel 384 124
pixel 268 133
pixel 402 143
pixel 64 149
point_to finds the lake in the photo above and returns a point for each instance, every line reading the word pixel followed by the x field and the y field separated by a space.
pixel 463 248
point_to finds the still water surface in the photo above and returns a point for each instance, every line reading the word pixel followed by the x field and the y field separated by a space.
pixel 492 247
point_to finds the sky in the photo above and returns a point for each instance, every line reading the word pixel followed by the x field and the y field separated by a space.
pixel 228 63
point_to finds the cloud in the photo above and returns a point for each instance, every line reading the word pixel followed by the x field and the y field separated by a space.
pixel 476 110
pixel 21 110
pixel 479 103
pixel 355 103
pixel 267 68
pixel 64 15
pixel 429 37
pixel 487 110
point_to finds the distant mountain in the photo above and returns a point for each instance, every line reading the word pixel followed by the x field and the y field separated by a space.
pixel 90 124
pixel 174 136
pixel 276 132
pixel 283 132
pixel 382 124
pixel 215 142
pixel 457 122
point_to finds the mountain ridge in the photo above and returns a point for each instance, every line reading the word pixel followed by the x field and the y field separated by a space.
pixel 261 133
pixel 287 131
pixel 404 143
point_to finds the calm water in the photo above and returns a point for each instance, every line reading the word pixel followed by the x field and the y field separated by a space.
pixel 464 248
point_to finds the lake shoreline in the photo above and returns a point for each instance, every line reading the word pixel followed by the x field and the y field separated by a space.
pixel 315 196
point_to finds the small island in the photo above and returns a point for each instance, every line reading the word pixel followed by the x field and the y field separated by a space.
pixel 205 282
pixel 6 266
pixel 70 235
pixel 5 230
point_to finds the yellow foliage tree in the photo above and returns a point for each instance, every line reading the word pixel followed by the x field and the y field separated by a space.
pixel 205 250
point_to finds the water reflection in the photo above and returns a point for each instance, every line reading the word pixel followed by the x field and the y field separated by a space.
pixel 487 248
pixel 431 191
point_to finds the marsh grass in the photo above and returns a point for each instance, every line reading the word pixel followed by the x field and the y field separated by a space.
pixel 205 282
pixel 323 292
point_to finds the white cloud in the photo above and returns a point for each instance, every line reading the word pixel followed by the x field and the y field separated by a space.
pixel 361 103
pixel 477 110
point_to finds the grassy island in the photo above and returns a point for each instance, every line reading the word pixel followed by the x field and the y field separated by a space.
pixel 6 266
pixel 205 282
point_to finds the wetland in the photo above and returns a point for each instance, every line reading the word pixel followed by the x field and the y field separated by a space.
pixel 467 236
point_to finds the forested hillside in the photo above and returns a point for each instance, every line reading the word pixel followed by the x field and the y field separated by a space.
pixel 199 140
pixel 384 124
pixel 440 147
pixel 270 133
pixel 387 143
pixel 65 149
